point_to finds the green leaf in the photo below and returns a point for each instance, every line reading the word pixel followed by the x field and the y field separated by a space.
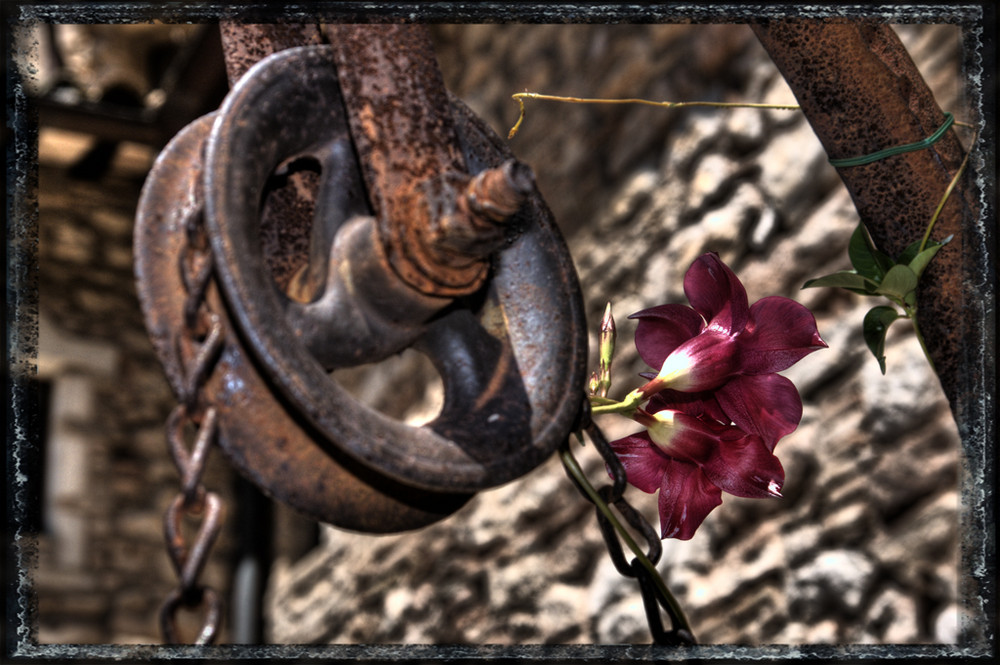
pixel 920 261
pixel 909 253
pixel 898 282
pixel 845 279
pixel 875 326
pixel 867 260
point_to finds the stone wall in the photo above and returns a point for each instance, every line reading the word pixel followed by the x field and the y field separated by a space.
pixel 863 546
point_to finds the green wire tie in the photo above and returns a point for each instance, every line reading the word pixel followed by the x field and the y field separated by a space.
pixel 949 119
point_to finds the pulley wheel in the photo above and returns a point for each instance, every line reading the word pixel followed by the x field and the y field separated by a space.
pixel 511 357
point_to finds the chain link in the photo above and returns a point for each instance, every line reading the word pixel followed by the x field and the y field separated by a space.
pixel 653 594
pixel 200 340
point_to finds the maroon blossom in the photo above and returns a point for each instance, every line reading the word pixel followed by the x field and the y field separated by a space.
pixel 717 406
pixel 767 405
pixel 691 458
pixel 720 336
pixel 722 345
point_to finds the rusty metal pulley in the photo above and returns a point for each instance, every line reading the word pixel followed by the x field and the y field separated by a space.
pixel 493 303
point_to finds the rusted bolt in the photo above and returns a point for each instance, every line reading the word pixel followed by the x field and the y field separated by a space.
pixel 499 193
pixel 467 219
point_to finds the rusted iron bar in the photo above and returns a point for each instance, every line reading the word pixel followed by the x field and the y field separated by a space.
pixel 861 92
pixel 399 113
pixel 247 44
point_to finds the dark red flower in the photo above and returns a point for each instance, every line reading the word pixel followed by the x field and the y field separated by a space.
pixel 720 336
pixel 691 460
pixel 717 406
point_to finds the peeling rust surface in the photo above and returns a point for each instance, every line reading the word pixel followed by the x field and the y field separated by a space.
pixel 861 92
pixel 246 44
pixel 286 222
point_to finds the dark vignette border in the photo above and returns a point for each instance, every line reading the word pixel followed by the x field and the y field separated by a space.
pixel 976 420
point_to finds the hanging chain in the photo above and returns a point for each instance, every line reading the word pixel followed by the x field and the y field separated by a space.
pixel 654 594
pixel 200 340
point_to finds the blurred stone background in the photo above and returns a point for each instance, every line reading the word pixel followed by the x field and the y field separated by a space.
pixel 863 548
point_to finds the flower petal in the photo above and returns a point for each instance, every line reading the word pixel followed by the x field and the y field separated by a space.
pixel 716 293
pixel 682 437
pixel 780 333
pixel 644 464
pixel 662 329
pixel 767 405
pixel 686 499
pixel 703 362
pixel 702 405
pixel 744 466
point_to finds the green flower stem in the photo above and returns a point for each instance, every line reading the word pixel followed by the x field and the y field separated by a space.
pixel 911 314
pixel 573 467
pixel 944 199
pixel 923 345
pixel 912 311
pixel 625 407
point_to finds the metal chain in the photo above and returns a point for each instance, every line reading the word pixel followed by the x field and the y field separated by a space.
pixel 200 340
pixel 653 596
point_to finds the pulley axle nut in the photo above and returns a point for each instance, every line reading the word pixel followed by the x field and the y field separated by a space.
pixel 467 221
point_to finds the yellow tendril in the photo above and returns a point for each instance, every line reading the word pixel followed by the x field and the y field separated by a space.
pixel 521 96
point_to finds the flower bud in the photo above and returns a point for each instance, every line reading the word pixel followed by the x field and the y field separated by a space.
pixel 606 351
pixel 594 385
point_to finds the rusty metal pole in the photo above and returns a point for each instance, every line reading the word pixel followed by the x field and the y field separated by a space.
pixel 861 92
pixel 247 44
pixel 437 223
